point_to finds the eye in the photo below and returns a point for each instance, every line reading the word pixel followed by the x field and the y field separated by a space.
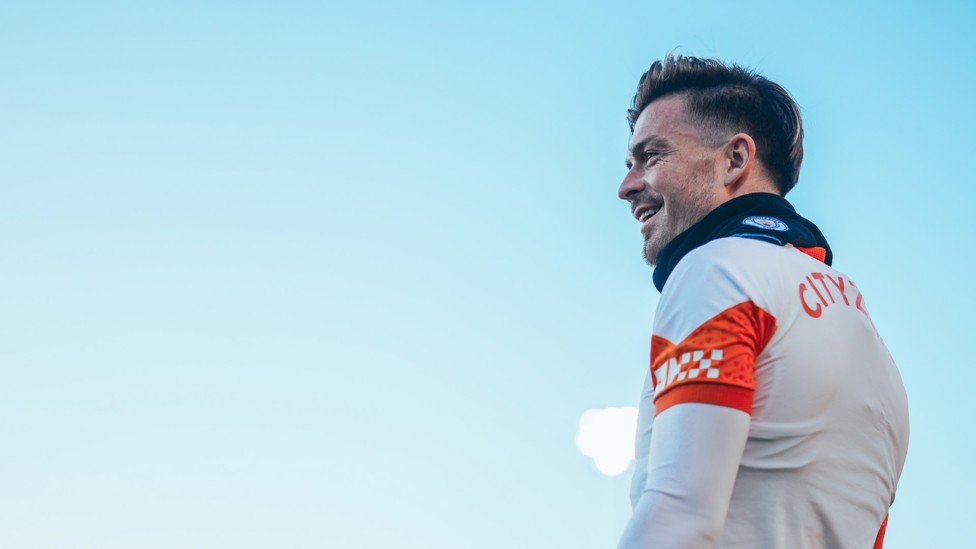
pixel 650 158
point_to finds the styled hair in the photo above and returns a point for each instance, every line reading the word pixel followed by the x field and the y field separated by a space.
pixel 727 99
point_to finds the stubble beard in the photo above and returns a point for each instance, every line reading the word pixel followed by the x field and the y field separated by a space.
pixel 657 241
pixel 678 216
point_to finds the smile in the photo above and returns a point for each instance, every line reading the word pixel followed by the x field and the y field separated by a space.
pixel 644 213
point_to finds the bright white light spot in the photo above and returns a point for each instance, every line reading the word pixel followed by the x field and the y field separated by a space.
pixel 607 436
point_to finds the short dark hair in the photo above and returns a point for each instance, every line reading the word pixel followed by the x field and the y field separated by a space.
pixel 731 98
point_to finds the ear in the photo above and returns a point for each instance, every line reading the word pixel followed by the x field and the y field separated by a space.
pixel 740 157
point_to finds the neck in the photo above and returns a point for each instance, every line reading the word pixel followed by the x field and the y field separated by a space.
pixel 750 185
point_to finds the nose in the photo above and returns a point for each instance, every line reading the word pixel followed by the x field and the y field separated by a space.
pixel 631 186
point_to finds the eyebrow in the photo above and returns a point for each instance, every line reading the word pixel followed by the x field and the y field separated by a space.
pixel 637 148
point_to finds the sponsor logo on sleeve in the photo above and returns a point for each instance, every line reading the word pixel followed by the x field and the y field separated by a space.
pixel 690 365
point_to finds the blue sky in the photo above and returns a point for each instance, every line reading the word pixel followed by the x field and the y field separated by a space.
pixel 344 275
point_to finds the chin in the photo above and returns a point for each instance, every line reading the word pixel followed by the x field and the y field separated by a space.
pixel 650 254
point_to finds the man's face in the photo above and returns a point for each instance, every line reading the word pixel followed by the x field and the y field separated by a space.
pixel 674 174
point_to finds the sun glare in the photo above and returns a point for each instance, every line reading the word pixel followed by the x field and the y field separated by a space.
pixel 607 436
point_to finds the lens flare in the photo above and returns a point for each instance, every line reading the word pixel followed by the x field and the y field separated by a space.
pixel 607 436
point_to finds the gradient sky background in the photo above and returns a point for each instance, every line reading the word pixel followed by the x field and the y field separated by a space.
pixel 310 275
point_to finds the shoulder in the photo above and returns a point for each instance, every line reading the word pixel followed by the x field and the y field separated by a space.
pixel 720 276
pixel 733 255
pixel 748 265
pixel 723 267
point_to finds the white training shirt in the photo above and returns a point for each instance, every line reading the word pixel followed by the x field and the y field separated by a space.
pixel 783 419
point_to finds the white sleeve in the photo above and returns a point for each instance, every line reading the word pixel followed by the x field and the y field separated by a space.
pixel 642 442
pixel 692 464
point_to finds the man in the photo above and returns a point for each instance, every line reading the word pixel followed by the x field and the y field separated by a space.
pixel 772 415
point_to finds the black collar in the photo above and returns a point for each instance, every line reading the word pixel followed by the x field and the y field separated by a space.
pixel 762 216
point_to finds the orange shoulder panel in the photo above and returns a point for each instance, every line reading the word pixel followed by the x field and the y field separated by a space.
pixel 817 252
pixel 716 363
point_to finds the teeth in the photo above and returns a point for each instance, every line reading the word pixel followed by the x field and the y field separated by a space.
pixel 647 215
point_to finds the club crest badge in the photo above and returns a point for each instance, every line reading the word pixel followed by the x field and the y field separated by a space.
pixel 763 222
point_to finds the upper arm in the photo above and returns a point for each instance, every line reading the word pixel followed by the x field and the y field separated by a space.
pixel 709 329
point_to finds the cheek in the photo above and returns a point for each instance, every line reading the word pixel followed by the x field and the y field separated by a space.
pixel 666 181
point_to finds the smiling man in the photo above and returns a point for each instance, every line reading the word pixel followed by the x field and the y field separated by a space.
pixel 772 415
